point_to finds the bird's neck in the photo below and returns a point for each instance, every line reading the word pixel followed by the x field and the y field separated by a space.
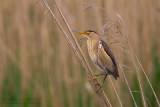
pixel 92 44
pixel 92 48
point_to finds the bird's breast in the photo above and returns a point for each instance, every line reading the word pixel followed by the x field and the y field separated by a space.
pixel 92 49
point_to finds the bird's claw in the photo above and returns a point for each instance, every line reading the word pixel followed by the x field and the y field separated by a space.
pixel 95 76
pixel 99 88
pixel 97 84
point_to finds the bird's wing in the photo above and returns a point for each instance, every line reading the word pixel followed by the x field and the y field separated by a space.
pixel 107 58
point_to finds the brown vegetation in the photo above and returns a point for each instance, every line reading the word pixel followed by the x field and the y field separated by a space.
pixel 37 62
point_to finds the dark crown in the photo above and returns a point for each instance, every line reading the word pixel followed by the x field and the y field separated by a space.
pixel 90 31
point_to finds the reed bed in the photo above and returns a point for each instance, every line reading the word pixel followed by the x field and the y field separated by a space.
pixel 38 64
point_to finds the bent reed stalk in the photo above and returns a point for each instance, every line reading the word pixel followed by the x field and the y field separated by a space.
pixel 80 56
pixel 136 59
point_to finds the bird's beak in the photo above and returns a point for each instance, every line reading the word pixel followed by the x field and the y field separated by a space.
pixel 81 32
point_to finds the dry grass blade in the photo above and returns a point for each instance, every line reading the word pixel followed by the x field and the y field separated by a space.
pixel 100 93
pixel 104 100
pixel 135 66
pixel 140 85
pixel 135 56
pixel 116 91
pixel 65 34
pixel 74 39
pixel 139 81
pixel 112 29
pixel 147 78
pixel 128 85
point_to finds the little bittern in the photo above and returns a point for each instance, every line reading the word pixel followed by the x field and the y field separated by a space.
pixel 100 54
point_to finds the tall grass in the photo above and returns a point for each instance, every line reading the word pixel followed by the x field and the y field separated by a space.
pixel 38 64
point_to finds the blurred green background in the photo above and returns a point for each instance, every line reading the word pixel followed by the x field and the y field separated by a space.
pixel 38 68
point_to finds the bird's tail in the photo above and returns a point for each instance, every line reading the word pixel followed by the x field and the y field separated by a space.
pixel 115 73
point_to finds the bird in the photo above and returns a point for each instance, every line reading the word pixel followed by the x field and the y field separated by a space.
pixel 101 55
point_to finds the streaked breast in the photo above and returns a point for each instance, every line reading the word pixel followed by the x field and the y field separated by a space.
pixel 92 49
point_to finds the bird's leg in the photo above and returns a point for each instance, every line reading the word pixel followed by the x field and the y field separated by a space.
pixel 104 79
pixel 96 75
pixel 101 85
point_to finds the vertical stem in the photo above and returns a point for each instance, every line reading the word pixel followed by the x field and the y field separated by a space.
pixel 104 100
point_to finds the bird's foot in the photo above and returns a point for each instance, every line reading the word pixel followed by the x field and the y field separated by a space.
pixel 99 87
pixel 98 84
pixel 95 76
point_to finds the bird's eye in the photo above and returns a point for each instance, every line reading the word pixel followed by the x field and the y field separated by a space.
pixel 88 33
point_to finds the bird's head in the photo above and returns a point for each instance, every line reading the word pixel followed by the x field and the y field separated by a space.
pixel 88 33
